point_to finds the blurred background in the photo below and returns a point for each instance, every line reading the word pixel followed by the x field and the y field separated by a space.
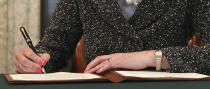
pixel 34 15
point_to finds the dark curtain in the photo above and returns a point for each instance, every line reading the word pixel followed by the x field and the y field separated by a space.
pixel 47 9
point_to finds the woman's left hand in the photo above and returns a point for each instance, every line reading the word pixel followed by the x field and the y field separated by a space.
pixel 134 60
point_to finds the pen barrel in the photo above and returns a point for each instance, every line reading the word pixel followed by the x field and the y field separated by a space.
pixel 31 46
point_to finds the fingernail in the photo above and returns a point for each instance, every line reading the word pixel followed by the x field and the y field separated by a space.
pixel 44 62
pixel 39 69
pixel 40 63
pixel 87 71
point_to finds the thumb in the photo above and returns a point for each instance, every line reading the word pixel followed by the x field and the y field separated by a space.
pixel 45 57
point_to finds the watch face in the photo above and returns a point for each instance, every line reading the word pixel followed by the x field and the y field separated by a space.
pixel 158 53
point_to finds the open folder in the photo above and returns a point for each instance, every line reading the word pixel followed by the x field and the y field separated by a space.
pixel 113 76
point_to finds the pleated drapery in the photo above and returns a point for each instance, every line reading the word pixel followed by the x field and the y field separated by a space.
pixel 13 15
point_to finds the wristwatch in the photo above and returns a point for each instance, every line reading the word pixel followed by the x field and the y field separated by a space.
pixel 158 57
pixel 132 2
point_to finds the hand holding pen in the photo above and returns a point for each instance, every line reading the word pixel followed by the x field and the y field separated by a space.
pixel 27 60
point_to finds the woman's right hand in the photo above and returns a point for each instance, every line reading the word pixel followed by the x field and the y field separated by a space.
pixel 26 61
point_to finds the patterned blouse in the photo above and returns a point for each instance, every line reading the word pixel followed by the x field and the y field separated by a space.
pixel 166 25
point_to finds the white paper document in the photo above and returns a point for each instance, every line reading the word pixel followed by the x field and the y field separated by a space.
pixel 53 76
pixel 82 76
pixel 155 74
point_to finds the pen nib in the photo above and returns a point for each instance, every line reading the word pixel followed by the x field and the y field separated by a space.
pixel 43 70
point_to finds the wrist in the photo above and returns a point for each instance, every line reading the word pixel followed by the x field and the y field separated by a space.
pixel 152 62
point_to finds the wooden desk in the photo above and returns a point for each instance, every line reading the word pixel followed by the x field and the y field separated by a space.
pixel 108 85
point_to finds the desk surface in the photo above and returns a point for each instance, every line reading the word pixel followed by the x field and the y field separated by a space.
pixel 108 85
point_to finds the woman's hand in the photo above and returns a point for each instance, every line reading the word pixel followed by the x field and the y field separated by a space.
pixel 134 60
pixel 26 61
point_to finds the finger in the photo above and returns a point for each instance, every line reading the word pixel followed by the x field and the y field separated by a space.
pixel 31 68
pixel 27 52
pixel 27 65
pixel 93 70
pixel 28 70
pixel 45 58
pixel 106 67
pixel 19 71
pixel 24 71
pixel 97 61
pixel 17 68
